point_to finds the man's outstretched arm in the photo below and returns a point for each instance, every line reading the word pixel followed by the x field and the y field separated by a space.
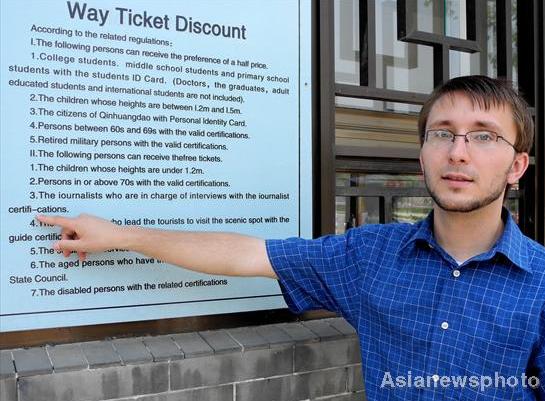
pixel 206 252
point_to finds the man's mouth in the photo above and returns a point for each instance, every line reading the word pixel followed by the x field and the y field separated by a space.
pixel 457 177
pixel 457 180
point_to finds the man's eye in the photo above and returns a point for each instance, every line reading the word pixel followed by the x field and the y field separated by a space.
pixel 443 134
pixel 483 136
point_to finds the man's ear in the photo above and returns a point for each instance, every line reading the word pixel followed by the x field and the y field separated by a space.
pixel 518 167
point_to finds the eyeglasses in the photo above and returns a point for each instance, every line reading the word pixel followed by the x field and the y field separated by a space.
pixel 482 140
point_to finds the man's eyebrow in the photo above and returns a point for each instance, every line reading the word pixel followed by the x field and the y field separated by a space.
pixel 440 123
pixel 479 123
pixel 487 124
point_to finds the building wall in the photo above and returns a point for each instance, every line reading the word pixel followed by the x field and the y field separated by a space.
pixel 317 359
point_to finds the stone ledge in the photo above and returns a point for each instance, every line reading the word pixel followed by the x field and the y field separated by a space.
pixel 67 357
pixel 303 337
pixel 32 361
pixel 7 367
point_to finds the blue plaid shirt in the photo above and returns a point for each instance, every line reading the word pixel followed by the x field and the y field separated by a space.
pixel 429 329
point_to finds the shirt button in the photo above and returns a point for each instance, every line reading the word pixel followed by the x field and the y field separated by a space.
pixel 435 378
pixel 444 325
pixel 456 273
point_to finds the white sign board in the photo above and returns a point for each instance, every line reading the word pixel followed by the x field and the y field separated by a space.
pixel 191 115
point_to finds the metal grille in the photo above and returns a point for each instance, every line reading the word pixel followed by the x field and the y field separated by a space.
pixel 530 48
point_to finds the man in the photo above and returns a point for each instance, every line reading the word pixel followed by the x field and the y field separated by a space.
pixel 449 308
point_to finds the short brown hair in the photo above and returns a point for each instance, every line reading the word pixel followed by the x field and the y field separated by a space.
pixel 486 92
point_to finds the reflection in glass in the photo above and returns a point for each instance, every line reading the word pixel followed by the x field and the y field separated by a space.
pixel 491 39
pixel 367 210
pixel 445 17
pixel 343 179
pixel 454 12
pixel 356 211
pixel 347 43
pixel 380 180
pixel 400 65
pixel 406 66
pixel 411 209
pixel 352 211
pixel 513 206
pixel 429 15
pixel 514 49
pixel 377 105
pixel 378 189
pixel 463 63
pixel 340 214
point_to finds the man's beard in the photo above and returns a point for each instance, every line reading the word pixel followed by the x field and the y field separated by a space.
pixel 469 205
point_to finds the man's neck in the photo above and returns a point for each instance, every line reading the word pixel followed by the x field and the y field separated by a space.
pixel 464 235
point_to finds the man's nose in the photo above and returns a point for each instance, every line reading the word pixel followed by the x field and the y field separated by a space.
pixel 458 151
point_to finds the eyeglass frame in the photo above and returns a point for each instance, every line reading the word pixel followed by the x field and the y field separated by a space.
pixel 466 139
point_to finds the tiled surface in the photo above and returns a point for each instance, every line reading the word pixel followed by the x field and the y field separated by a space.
pixel 32 361
pixel 163 348
pixel 100 354
pixel 312 359
pixel 67 357
pixel 192 345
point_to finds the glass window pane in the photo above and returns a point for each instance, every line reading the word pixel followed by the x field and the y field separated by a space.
pixel 377 105
pixel 455 17
pixel 410 209
pixel 347 53
pixel 491 39
pixel 514 48
pixel 356 211
pixel 367 210
pixel 429 15
pixel 406 66
pixel 376 189
pixel 513 206
pixel 444 17
pixel 342 179
pixel 400 65
pixel 341 207
pixel 515 186
pixel 463 63
pixel 381 181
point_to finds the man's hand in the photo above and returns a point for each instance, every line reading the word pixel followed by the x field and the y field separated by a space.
pixel 84 234
pixel 206 252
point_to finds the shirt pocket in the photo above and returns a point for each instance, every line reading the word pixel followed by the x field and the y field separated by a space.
pixel 504 325
pixel 490 359
pixel 499 342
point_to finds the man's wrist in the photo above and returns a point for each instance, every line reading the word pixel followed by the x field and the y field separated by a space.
pixel 130 237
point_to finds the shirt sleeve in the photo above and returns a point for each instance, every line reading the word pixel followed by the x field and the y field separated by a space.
pixel 317 274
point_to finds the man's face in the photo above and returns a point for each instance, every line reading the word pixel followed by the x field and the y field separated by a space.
pixel 461 177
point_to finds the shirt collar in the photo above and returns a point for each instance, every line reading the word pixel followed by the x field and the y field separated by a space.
pixel 512 243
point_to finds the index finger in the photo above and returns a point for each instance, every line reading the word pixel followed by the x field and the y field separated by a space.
pixel 61 221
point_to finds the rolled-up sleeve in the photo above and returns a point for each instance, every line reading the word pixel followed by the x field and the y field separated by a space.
pixel 317 274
